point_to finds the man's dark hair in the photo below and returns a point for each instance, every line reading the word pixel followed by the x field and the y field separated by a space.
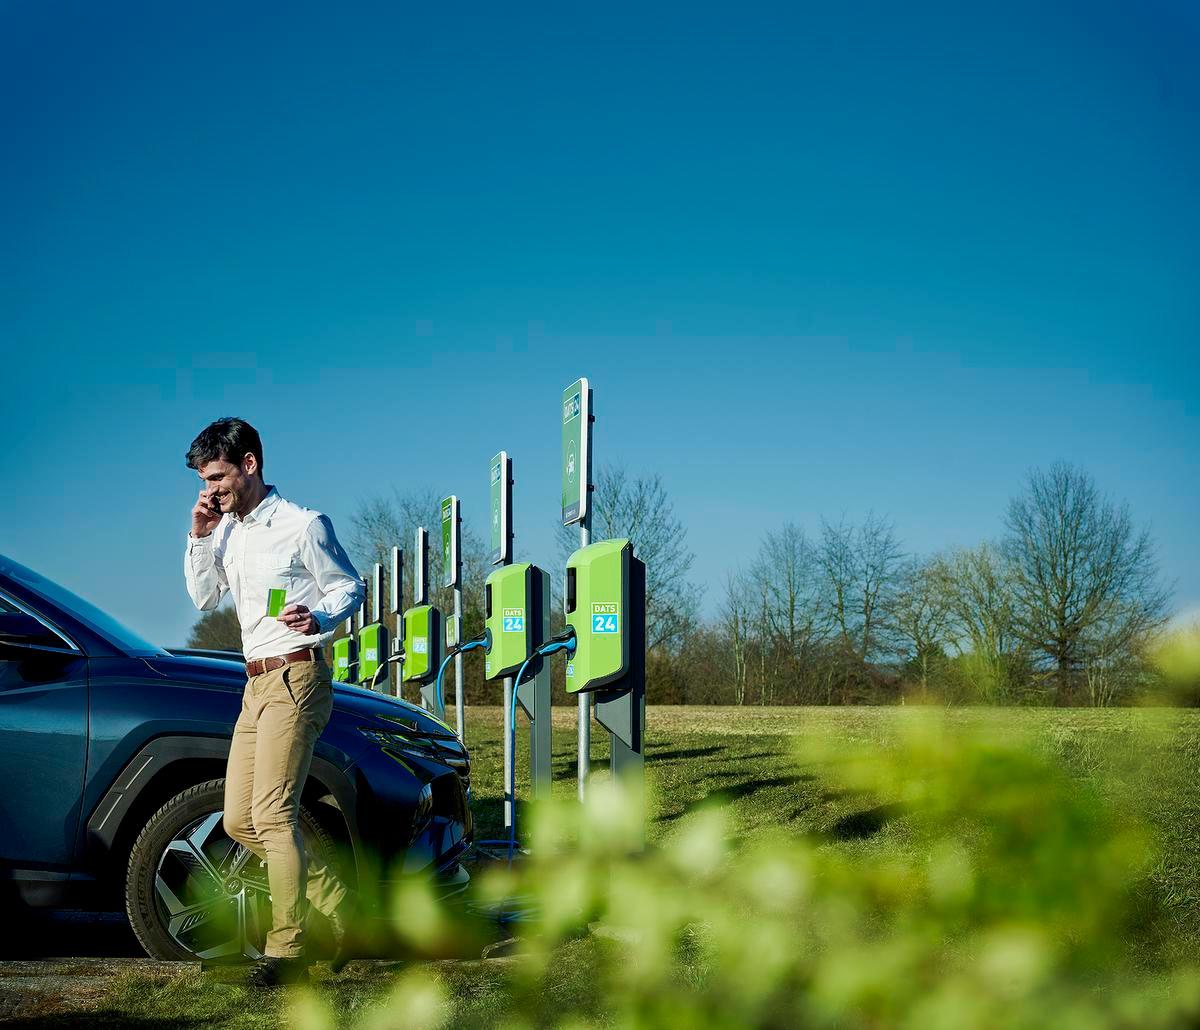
pixel 227 439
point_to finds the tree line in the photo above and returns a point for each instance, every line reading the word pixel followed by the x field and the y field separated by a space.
pixel 1062 609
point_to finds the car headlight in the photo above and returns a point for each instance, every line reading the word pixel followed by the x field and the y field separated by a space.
pixel 399 742
pixel 449 752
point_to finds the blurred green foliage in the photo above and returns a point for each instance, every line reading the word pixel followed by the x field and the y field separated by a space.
pixel 1013 901
pixel 1177 659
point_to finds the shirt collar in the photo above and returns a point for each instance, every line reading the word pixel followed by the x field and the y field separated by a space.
pixel 265 508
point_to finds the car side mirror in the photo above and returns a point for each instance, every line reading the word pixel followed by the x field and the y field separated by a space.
pixel 19 628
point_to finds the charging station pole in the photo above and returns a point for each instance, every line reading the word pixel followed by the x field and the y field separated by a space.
pixel 397 609
pixel 429 697
pixel 576 507
pixel 500 484
pixel 585 700
pixel 380 632
pixel 360 620
pixel 452 577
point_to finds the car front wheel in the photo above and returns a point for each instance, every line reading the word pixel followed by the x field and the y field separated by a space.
pixel 191 892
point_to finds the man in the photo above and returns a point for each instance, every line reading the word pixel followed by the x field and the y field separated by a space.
pixel 248 541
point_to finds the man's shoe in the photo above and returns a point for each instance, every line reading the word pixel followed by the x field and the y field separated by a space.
pixel 275 972
pixel 339 928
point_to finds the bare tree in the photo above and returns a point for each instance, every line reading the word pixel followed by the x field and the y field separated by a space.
pixel 1086 583
pixel 836 559
pixel 381 523
pixel 767 669
pixel 977 590
pixel 920 616
pixel 794 621
pixel 860 565
pixel 787 565
pixel 217 630
pixel 736 615
pixel 639 509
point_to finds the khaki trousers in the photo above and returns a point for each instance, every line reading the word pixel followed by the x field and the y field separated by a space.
pixel 283 714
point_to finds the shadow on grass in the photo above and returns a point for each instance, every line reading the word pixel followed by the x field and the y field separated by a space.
pixel 729 774
pixel 680 755
pixel 735 792
pixel 104 1018
pixel 864 824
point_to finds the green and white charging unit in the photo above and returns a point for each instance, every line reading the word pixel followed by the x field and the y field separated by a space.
pixel 517 610
pixel 577 420
pixel 517 616
pixel 423 634
pixel 452 577
pixel 373 641
pixel 605 603
pixel 345 655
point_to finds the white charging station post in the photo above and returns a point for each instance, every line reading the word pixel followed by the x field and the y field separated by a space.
pixel 380 658
pixel 501 553
pixel 429 699
pixel 577 419
pixel 397 609
pixel 421 569
pixel 359 619
pixel 452 577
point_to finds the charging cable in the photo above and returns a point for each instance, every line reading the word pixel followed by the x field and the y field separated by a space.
pixel 397 656
pixel 463 648
pixel 564 641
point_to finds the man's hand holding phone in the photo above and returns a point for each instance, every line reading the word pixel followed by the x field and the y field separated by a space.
pixel 205 516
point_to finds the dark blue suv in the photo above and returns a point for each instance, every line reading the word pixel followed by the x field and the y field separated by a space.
pixel 112 758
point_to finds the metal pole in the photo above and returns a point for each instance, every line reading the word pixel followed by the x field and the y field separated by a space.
pixel 505 529
pixel 460 694
pixel 585 701
pixel 398 612
pixel 508 771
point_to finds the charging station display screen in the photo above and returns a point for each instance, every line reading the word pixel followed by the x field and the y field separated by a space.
pixel 576 445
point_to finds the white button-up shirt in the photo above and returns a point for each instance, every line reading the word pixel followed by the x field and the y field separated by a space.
pixel 280 545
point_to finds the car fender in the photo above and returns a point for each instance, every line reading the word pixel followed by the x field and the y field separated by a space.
pixel 105 823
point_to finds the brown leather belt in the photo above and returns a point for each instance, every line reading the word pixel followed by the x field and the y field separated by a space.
pixel 261 665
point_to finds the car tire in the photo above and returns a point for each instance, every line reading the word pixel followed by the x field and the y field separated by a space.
pixel 192 893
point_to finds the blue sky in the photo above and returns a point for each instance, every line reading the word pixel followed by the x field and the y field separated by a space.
pixel 814 261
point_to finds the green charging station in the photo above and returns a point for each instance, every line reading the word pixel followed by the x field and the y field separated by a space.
pixel 517 615
pixel 423 634
pixel 345 656
pixel 373 640
pixel 422 643
pixel 605 602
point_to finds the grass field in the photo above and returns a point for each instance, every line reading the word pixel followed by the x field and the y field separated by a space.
pixel 771 769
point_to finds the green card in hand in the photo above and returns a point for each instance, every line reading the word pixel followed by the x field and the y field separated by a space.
pixel 276 598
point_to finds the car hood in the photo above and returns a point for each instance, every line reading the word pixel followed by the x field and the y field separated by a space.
pixel 380 709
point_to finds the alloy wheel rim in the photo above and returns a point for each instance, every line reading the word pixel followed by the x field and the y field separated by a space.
pixel 212 893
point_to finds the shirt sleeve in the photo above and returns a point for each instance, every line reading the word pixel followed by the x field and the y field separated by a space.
pixel 342 589
pixel 206 582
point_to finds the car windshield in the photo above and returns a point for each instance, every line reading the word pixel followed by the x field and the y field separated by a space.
pixel 84 611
